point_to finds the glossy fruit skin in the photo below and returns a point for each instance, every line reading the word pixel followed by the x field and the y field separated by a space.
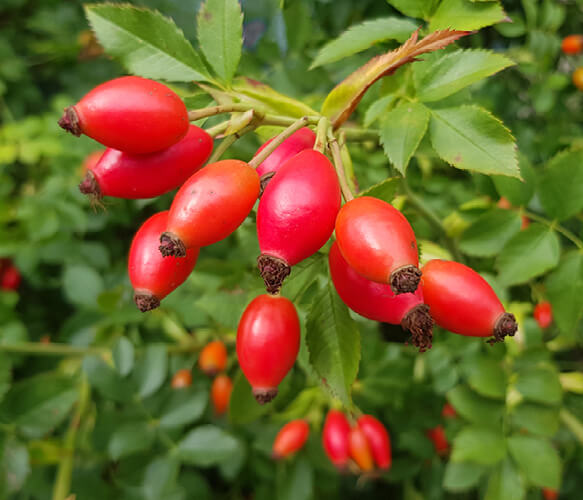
pixel 10 279
pixel 550 494
pixel 132 114
pixel 578 78
pixel 376 239
pixel 302 139
pixel 181 379
pixel 335 438
pixel 130 176
pixel 290 439
pixel 213 358
pixel 572 44
pixel 360 450
pixel 211 204
pixel 543 314
pixel 221 393
pixel 152 276
pixel 368 298
pixel 460 300
pixel 378 440
pixel 268 341
pixel 439 439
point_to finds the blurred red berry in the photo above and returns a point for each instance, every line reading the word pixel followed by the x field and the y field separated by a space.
pixel 543 314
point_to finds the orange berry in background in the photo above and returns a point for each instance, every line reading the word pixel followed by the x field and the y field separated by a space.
pixel 578 78
pixel 550 494
pixel 213 358
pixel 504 203
pixel 91 160
pixel 543 314
pixel 448 411
pixel 360 450
pixel 572 44
pixel 290 438
pixel 221 393
pixel 181 379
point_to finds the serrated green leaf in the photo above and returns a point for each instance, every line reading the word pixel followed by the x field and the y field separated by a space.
pixel 487 378
pixel 474 407
pixel 440 78
pixel 147 43
pixel 540 384
pixel 130 438
pixel 530 253
pixel 466 15
pixel 151 369
pixel 220 34
pixel 421 9
pixel 243 408
pixel 401 132
pixel 537 459
pixel 384 190
pixel 333 342
pixel 536 419
pixel 505 483
pixel 565 291
pixel 517 192
pixel 362 36
pixel 207 445
pixel 470 138
pixel 478 445
pixel 560 186
pixel 378 109
pixel 490 232
pixel 462 476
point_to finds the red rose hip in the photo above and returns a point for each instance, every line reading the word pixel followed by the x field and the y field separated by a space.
pixel 268 341
pixel 335 436
pixel 377 301
pixel 152 276
pixel 10 279
pixel 132 114
pixel 360 450
pixel 296 214
pixel 290 439
pixel 213 358
pixel 378 440
pixel 463 302
pixel 378 242
pixel 210 205
pixel 221 393
pixel 543 314
pixel 130 176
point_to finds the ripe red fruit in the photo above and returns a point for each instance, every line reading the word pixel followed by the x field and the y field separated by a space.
pixel 221 393
pixel 210 205
pixel 132 114
pixel 268 341
pixel 550 494
pixel 378 243
pixel 543 314
pixel 578 78
pixel 448 411
pixel 377 301
pixel 304 138
pixel 360 450
pixel 131 176
pixel 290 439
pixel 10 279
pixel 181 379
pixel 335 438
pixel 572 44
pixel 463 302
pixel 152 276
pixel 378 440
pixel 213 358
pixel 296 214
pixel 440 442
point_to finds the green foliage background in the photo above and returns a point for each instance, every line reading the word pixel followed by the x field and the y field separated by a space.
pixel 93 414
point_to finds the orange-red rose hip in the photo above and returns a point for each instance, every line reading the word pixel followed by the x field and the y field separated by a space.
pixel 290 439
pixel 213 358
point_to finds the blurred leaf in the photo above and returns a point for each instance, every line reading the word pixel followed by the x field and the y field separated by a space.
pixel 384 190
pixel 151 369
pixel 82 285
pixel 462 476
pixel 401 132
pixel 243 408
pixel 487 378
pixel 560 186
pixel 207 445
pixel 536 419
pixel 123 356
pixel 220 34
pixel 183 407
pixel 37 405
pixel 361 36
pixel 537 459
pixel 516 191
pixel 530 253
pixel 478 445
pixel 297 482
pixel 505 483
pixel 452 72
pixel 333 342
pixel 14 464
pixel 475 408
pixel 565 291
pixel 106 380
pixel 471 138
pixel 5 375
pixel 160 477
pixel 540 384
pixel 421 9
pixel 490 232
pixel 466 15
pixel 130 438
pixel 147 43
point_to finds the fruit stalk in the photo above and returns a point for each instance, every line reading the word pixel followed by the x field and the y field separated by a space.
pixel 339 166
pixel 197 114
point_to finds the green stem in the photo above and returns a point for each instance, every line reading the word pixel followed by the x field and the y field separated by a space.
pixel 573 424
pixel 556 226
pixel 359 134
pixel 322 132
pixel 197 114
pixel 347 161
pixel 284 121
pixel 217 129
pixel 62 485
pixel 339 166
pixel 228 142
pixel 418 205
pixel 276 141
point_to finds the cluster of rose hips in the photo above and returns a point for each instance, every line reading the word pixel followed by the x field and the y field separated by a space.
pixel 374 262
pixel 573 45
pixel 9 275
pixel 212 361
